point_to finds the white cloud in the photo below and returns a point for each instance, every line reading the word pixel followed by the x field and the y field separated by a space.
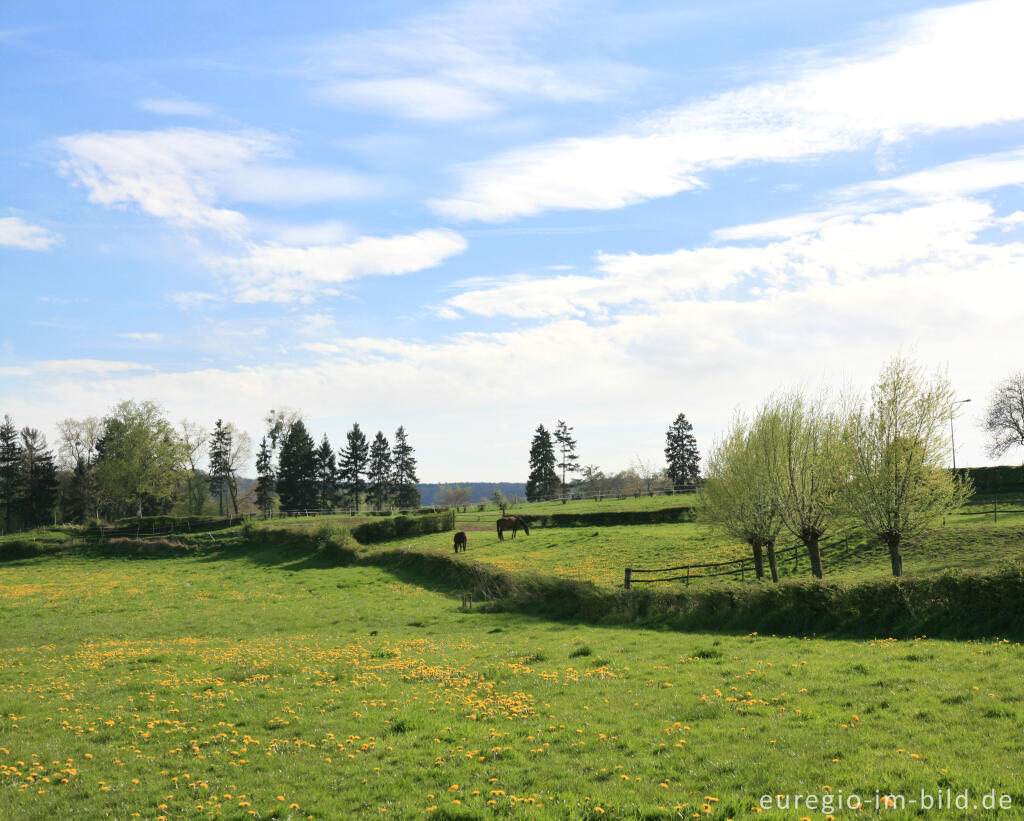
pixel 16 233
pixel 192 299
pixel 176 108
pixel 73 367
pixel 285 273
pixel 947 68
pixel 843 248
pixel 165 173
pixel 183 175
pixel 143 336
pixel 467 61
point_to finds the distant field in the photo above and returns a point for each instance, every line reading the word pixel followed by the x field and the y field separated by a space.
pixel 600 554
pixel 268 684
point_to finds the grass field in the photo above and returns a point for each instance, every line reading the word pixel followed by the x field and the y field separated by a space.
pixel 269 684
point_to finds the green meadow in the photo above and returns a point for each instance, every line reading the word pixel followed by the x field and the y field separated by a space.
pixel 253 676
pixel 272 683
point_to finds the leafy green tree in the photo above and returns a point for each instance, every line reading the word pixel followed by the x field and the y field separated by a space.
pixel 265 478
pixel 737 496
pixel 403 472
pixel 565 444
pixel 139 459
pixel 898 450
pixel 352 470
pixel 454 496
pixel 542 483
pixel 326 474
pixel 499 500
pixel 681 453
pixel 296 470
pixel 379 471
pixel 799 442
pixel 38 479
pixel 10 471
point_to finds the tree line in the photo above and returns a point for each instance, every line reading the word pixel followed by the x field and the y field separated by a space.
pixel 134 462
pixel 806 464
pixel 553 462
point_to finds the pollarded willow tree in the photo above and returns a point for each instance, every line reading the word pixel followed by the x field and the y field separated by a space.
pixel 738 497
pixel 898 449
pixel 800 444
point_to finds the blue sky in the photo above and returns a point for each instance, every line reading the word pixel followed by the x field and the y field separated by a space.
pixel 469 218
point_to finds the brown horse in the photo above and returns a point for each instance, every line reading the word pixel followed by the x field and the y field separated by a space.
pixel 512 523
pixel 460 542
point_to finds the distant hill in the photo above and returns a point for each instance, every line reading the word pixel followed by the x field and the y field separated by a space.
pixel 430 492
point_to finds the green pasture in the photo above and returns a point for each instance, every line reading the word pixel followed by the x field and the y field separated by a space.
pixel 269 683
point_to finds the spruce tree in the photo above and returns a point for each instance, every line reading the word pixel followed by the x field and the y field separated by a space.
pixel 326 474
pixel 403 472
pixel 10 471
pixel 542 482
pixel 352 470
pixel 38 479
pixel 379 472
pixel 265 480
pixel 566 447
pixel 220 463
pixel 296 470
pixel 681 453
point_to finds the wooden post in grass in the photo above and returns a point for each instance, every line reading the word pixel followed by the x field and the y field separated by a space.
pixel 995 511
pixel 629 575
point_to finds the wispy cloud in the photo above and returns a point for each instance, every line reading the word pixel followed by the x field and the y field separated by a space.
pixel 143 336
pixel 282 273
pixel 939 237
pixel 470 60
pixel 16 233
pixel 176 108
pixel 185 175
pixel 945 69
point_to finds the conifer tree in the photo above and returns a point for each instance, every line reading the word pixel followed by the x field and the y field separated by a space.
pixel 352 470
pixel 38 479
pixel 403 472
pixel 10 471
pixel 220 463
pixel 265 480
pixel 542 482
pixel 379 471
pixel 296 471
pixel 326 474
pixel 681 453
pixel 566 447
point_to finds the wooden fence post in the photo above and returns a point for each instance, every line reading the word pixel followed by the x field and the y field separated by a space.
pixel 629 575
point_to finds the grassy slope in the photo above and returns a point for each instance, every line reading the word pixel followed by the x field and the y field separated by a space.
pixel 272 683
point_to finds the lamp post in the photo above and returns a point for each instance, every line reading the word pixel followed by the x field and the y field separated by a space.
pixel 952 439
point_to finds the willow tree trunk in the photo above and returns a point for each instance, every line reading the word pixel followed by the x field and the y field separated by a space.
pixel 892 541
pixel 758 561
pixel 772 564
pixel 810 540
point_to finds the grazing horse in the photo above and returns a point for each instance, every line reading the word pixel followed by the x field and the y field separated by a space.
pixel 460 542
pixel 512 523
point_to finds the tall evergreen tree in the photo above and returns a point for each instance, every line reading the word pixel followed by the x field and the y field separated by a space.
pixel 10 471
pixel 326 474
pixel 80 504
pixel 296 470
pixel 265 480
pixel 38 479
pixel 566 447
pixel 403 472
pixel 681 453
pixel 379 472
pixel 352 470
pixel 542 483
pixel 220 463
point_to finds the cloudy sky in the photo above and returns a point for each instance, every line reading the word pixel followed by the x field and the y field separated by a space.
pixel 473 217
